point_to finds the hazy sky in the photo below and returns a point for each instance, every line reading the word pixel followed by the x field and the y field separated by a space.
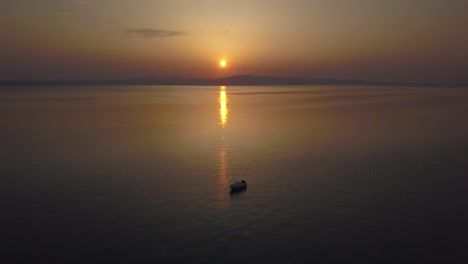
pixel 405 40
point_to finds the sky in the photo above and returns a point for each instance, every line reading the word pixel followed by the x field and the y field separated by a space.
pixel 381 40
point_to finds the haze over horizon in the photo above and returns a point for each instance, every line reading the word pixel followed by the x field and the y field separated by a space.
pixel 408 41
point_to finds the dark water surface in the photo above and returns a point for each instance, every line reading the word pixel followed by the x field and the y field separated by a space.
pixel 141 174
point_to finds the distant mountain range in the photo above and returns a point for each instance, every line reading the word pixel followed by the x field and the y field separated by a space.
pixel 236 80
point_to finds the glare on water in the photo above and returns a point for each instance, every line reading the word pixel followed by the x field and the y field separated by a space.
pixel 223 105
pixel 223 165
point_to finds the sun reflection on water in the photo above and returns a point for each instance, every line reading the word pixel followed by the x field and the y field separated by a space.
pixel 223 164
pixel 223 111
pixel 223 175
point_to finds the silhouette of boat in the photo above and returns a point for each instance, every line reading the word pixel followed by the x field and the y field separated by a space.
pixel 238 185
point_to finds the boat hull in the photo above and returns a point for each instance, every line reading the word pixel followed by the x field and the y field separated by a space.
pixel 238 186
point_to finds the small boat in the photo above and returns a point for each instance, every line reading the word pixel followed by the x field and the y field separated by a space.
pixel 238 185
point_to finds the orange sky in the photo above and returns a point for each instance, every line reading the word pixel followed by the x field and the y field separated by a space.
pixel 399 40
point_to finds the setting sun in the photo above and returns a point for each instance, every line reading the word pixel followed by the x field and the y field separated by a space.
pixel 223 63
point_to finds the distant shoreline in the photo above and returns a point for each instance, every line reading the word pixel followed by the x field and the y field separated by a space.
pixel 237 80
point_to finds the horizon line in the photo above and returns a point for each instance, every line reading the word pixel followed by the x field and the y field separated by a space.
pixel 237 80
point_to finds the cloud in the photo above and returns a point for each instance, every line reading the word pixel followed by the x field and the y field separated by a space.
pixel 153 33
pixel 75 7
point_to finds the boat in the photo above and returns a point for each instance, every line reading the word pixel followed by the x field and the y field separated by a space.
pixel 238 185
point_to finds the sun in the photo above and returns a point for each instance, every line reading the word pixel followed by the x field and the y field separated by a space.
pixel 223 63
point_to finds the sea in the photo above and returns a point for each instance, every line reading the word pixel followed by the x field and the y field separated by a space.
pixel 141 174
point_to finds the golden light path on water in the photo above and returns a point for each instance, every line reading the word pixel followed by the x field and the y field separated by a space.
pixel 223 165
pixel 223 111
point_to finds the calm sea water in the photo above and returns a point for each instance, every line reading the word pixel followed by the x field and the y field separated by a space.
pixel 141 174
